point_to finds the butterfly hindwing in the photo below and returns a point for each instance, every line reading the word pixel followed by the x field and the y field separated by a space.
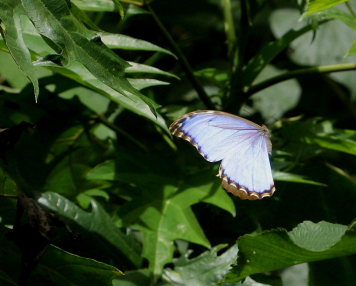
pixel 241 145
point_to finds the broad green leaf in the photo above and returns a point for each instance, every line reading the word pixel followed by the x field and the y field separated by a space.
pixel 315 6
pixel 275 249
pixel 97 221
pixel 82 45
pixel 10 12
pixel 64 268
pixel 295 178
pixel 119 41
pixel 163 209
pixel 206 269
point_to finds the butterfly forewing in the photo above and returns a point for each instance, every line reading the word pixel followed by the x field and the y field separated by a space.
pixel 240 144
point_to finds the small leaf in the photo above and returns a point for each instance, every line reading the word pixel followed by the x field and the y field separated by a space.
pixel 317 236
pixel 141 68
pixel 141 83
pixel 206 269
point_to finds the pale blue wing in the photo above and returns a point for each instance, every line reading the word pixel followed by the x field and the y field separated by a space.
pixel 242 145
pixel 246 170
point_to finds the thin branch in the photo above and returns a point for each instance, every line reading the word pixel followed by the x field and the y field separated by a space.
pixel 183 61
pixel 297 73
pixel 102 119
pixel 351 10
pixel 9 196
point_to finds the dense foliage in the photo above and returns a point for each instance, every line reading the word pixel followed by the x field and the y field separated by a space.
pixel 95 191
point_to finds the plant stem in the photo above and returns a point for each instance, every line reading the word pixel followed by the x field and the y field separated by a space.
pixel 297 73
pixel 230 32
pixel 183 61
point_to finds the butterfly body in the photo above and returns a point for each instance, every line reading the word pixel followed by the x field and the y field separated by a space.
pixel 241 145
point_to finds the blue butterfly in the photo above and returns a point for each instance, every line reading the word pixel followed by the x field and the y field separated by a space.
pixel 241 145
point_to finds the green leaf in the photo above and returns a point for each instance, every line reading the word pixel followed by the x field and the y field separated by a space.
pixel 295 178
pixel 275 249
pixel 141 83
pixel 10 12
pixel 119 7
pixel 206 269
pixel 65 269
pixel 317 237
pixel 119 41
pixel 97 221
pixel 217 76
pixel 315 6
pixel 84 199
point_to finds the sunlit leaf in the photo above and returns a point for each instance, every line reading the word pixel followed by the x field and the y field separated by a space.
pixel 119 41
pixel 10 12
pixel 315 6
